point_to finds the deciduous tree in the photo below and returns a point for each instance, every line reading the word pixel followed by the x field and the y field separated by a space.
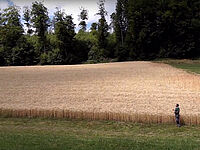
pixel 83 17
pixel 40 20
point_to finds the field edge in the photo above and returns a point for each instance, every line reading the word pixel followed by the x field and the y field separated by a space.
pixel 108 116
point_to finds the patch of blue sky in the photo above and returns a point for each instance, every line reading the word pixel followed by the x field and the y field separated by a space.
pixel 10 3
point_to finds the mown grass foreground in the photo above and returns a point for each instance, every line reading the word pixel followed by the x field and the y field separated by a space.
pixel 40 134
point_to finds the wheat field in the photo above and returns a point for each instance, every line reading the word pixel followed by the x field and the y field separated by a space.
pixel 129 91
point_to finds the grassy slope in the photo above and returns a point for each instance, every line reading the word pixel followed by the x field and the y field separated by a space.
pixel 19 134
pixel 188 65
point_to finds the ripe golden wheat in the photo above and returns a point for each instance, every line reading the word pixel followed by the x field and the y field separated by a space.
pixel 133 91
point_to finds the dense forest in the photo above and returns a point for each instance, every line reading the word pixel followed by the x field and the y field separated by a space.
pixel 139 30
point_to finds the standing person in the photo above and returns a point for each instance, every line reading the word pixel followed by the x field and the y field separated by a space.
pixel 177 115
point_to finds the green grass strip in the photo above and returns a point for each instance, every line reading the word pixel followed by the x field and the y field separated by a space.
pixel 53 134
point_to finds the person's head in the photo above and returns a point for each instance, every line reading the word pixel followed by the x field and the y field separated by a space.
pixel 177 105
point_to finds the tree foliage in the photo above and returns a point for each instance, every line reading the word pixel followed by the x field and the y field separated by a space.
pixel 102 28
pixel 83 17
pixel 157 28
pixel 139 30
pixel 27 19
pixel 64 31
pixel 94 26
pixel 41 22
pixel 11 32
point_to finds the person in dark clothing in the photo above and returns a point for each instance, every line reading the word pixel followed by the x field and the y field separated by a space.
pixel 177 115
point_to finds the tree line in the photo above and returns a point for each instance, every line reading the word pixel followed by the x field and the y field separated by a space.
pixel 149 29
pixel 139 30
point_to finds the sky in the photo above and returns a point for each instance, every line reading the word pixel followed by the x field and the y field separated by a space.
pixel 71 7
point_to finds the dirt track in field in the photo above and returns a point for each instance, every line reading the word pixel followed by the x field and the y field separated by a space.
pixel 130 87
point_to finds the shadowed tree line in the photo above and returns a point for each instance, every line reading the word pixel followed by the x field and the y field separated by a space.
pixel 149 29
pixel 139 30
